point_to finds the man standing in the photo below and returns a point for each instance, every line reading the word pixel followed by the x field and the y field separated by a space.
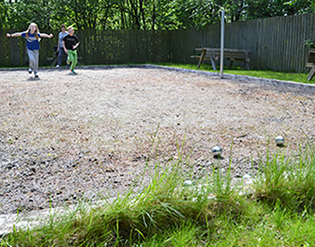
pixel 70 44
pixel 60 48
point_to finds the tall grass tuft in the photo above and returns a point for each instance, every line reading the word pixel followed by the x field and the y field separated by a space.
pixel 288 182
pixel 164 205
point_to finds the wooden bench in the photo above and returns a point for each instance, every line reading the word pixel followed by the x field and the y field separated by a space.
pixel 54 58
pixel 311 63
pixel 230 54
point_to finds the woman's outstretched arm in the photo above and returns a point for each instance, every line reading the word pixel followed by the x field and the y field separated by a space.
pixel 44 35
pixel 14 34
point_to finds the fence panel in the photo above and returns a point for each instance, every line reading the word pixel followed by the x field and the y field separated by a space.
pixel 4 49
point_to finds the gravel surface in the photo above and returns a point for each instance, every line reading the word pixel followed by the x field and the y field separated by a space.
pixel 67 138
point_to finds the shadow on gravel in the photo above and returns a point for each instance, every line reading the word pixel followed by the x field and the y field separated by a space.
pixel 33 79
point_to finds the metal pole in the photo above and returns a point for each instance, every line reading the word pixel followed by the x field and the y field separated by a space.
pixel 222 45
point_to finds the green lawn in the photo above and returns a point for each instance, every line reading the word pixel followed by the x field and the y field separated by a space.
pixel 295 77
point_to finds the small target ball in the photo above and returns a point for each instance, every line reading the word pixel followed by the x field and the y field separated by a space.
pixel 187 183
pixel 279 141
pixel 216 151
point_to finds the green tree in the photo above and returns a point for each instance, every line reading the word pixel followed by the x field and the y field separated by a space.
pixel 301 6
pixel 269 8
pixel 3 16
pixel 142 14
pixel 21 13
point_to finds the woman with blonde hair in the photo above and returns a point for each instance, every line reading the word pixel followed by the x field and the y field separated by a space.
pixel 32 36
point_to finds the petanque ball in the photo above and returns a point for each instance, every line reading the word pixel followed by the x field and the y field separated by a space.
pixel 216 151
pixel 279 141
pixel 187 183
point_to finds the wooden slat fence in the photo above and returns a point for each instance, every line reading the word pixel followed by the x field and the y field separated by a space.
pixel 276 43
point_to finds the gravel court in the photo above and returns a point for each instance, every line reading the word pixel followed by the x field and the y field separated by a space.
pixel 64 137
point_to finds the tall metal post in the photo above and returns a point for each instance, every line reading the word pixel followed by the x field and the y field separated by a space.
pixel 222 45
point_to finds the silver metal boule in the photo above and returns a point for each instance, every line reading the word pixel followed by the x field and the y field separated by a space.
pixel 187 183
pixel 216 151
pixel 247 176
pixel 279 140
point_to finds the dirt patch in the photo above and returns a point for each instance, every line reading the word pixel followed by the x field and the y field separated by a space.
pixel 64 138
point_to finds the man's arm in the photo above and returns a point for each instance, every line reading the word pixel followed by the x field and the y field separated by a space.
pixel 76 45
pixel 58 44
pixel 64 47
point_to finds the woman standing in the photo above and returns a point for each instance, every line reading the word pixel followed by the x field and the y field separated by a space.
pixel 32 36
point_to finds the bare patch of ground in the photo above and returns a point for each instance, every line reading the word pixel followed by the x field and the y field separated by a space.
pixel 64 138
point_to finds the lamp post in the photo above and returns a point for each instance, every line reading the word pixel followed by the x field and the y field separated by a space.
pixel 222 44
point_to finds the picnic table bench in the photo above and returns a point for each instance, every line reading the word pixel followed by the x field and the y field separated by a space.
pixel 54 57
pixel 230 54
pixel 311 63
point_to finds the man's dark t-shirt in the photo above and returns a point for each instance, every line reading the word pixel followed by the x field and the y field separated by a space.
pixel 70 41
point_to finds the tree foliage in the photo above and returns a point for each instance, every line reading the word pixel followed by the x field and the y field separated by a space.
pixel 142 14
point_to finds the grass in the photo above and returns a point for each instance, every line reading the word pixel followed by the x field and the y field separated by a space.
pixel 283 76
pixel 277 211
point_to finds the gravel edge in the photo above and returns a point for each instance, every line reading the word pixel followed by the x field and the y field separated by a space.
pixel 272 82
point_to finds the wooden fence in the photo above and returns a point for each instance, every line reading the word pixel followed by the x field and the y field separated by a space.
pixel 276 43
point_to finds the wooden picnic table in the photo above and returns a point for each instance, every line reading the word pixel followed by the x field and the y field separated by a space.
pixel 311 63
pixel 54 57
pixel 231 54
